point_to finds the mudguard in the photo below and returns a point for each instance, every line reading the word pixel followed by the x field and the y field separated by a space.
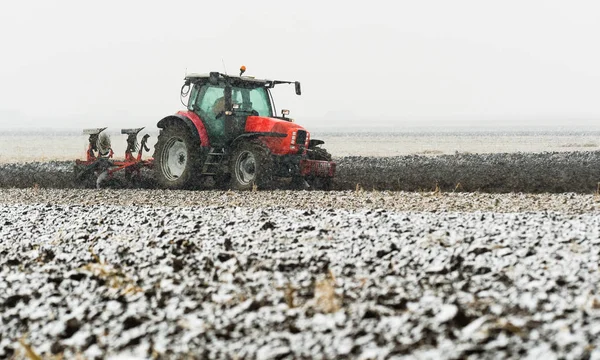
pixel 193 122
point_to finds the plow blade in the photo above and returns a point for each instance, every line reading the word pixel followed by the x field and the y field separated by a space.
pixel 95 131
pixel 131 131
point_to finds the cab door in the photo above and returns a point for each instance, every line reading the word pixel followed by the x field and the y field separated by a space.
pixel 209 105
pixel 236 123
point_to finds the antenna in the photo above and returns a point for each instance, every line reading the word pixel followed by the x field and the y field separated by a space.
pixel 224 68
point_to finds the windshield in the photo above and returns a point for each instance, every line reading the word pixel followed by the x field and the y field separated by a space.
pixel 256 99
pixel 209 99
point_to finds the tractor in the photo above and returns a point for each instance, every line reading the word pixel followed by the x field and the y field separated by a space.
pixel 230 132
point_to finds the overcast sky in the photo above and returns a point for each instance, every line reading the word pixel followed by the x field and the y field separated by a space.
pixel 76 64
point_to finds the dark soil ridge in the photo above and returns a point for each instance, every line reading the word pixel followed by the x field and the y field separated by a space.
pixel 552 172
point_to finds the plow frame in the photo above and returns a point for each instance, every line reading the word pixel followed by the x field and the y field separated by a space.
pixel 105 166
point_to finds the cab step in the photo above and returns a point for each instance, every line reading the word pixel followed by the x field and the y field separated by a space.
pixel 214 160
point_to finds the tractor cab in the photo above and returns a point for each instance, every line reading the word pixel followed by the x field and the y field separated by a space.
pixel 224 103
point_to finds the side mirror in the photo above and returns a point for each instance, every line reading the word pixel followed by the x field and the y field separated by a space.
pixel 298 89
pixel 284 113
pixel 214 78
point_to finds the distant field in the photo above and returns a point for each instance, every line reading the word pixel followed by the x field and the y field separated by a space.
pixel 18 147
pixel 450 143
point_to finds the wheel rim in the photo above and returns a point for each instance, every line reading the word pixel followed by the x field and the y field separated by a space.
pixel 174 159
pixel 245 168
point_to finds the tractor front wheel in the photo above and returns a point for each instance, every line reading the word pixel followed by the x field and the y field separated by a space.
pixel 251 165
pixel 176 158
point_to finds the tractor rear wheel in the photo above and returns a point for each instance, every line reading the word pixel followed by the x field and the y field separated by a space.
pixel 251 165
pixel 176 157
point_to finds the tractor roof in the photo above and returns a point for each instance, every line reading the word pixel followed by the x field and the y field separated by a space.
pixel 243 79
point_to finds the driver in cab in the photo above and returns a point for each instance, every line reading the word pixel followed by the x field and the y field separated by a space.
pixel 219 108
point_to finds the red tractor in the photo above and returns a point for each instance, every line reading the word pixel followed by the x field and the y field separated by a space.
pixel 230 132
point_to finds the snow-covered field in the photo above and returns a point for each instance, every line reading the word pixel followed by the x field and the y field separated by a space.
pixel 362 273
pixel 288 274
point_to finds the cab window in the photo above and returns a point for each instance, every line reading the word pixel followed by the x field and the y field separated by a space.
pixel 210 100
pixel 209 97
pixel 256 99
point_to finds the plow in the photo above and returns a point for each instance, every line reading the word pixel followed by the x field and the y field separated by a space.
pixel 229 131
pixel 100 165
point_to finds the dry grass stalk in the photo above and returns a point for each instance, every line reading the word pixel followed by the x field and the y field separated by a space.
pixel 458 186
pixel 289 295
pixel 96 257
pixel 114 277
pixel 326 299
pixel 437 190
pixel 29 352
pixel 510 327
